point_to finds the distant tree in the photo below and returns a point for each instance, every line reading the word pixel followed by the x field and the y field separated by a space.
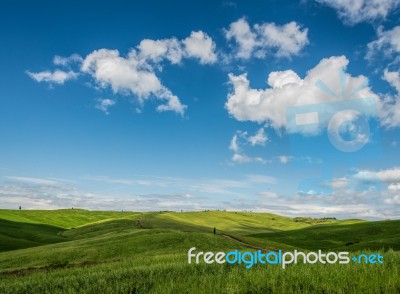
pixel 215 230
pixel 20 207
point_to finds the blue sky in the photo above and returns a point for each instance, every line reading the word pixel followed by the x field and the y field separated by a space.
pixel 188 106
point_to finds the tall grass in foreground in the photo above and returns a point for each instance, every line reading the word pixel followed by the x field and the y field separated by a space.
pixel 171 274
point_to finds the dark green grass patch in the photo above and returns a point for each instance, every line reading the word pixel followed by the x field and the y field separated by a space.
pixel 17 235
pixel 366 235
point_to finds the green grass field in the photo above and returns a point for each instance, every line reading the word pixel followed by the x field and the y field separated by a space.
pixel 79 251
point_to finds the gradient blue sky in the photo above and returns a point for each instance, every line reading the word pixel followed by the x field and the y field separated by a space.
pixel 77 132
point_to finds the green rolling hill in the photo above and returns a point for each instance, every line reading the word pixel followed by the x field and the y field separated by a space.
pixel 70 251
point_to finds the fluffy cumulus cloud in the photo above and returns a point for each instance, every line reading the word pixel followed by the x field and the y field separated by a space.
pixel 267 39
pixel 324 83
pixel 157 50
pixel 356 11
pixel 136 72
pixel 240 32
pixel 129 75
pixel 200 45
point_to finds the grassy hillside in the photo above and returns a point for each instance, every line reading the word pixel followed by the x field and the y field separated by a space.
pixel 64 218
pixel 17 235
pixel 366 235
pixel 118 246
pixel 78 251
pixel 239 223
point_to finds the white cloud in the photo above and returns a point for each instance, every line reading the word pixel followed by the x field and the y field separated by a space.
pixel 340 183
pixel 287 89
pixel 234 144
pixel 254 178
pixel 37 196
pixel 135 73
pixel 344 204
pixel 393 78
pixel 241 158
pixel 394 200
pixel 29 180
pixel 66 61
pixel 366 187
pixel 394 187
pixel 268 194
pixel 104 104
pixel 391 175
pixel 244 158
pixel 200 45
pixel 356 11
pixel 348 197
pixel 240 138
pixel 129 75
pixel 387 46
pixel 267 38
pixel 284 159
pixel 238 156
pixel 122 74
pixel 187 185
pixel 259 138
pixel 241 33
pixel 136 182
pixel 56 77
pixel 390 105
pixel 369 180
pixel 156 50
pixel 44 193
pixel 388 43
pixel 287 39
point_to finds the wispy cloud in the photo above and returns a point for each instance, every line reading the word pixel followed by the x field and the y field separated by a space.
pixel 56 77
pixel 213 186
pixel 344 202
pixel 36 181
pixel 104 104
pixel 353 12
pixel 266 39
